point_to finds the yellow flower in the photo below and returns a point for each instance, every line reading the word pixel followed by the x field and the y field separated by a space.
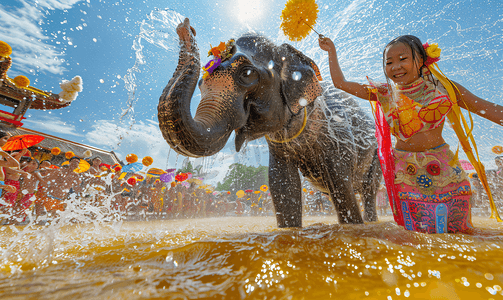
pixel 433 51
pixel 296 17
pixel 5 49
pixel 21 81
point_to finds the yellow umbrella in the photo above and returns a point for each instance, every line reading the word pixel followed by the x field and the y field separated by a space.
pixel 298 18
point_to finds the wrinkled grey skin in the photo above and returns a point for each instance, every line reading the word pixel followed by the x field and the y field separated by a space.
pixel 245 95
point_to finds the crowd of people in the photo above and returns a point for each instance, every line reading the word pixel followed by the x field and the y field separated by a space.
pixel 43 190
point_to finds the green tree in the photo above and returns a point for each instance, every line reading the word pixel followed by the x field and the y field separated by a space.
pixel 241 177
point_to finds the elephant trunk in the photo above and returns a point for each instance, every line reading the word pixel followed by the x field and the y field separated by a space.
pixel 208 131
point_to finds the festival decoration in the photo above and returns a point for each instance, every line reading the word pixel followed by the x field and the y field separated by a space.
pixel 23 141
pixel 240 193
pixel 248 191
pixel 298 19
pixel 220 54
pixel 147 161
pixel 131 158
pixel 69 154
pixel 257 192
pixel 21 81
pixel 264 188
pixel 466 165
pixel 155 172
pixel 498 150
pixel 167 177
pixel 311 193
pixel 117 169
pixel 55 151
pixel 5 49
pixel 304 190
pixel 105 167
pixel 88 153
pixel 181 177
pixel 132 167
pixel 70 89
pixel 196 181
pixel 228 192
pixel 433 52
pixel 131 181
pixel 83 166
pixel 173 184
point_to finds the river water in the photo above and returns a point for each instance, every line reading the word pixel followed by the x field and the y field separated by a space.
pixel 249 258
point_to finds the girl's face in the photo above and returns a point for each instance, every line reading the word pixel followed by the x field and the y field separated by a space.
pixel 4 140
pixel 400 65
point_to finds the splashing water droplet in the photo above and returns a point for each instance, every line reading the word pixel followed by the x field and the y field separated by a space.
pixel 296 75
pixel 270 65
pixel 102 81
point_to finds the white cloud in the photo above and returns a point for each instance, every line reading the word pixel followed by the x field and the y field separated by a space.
pixel 52 124
pixel 21 30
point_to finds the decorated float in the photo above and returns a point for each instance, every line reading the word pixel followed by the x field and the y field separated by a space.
pixel 17 93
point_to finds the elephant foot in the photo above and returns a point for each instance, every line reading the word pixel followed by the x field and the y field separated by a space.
pixel 288 221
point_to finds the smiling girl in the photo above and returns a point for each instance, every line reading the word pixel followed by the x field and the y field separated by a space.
pixel 428 189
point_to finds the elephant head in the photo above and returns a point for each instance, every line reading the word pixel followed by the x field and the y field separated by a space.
pixel 256 91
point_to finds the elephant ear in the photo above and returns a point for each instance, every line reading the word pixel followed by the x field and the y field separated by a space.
pixel 299 78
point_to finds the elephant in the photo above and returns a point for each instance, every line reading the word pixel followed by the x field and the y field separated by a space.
pixel 261 89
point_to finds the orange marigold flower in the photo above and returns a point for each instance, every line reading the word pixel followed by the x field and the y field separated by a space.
pixel 131 158
pixel 21 81
pixel 55 151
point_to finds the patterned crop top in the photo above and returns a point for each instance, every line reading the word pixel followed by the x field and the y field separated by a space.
pixel 417 107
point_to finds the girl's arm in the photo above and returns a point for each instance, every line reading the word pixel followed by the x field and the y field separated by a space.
pixel 487 110
pixel 353 88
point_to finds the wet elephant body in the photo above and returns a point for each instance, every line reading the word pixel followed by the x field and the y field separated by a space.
pixel 266 90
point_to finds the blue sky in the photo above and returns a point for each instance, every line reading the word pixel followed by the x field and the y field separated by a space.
pixel 126 54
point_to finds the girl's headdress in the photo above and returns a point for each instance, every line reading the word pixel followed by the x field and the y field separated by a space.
pixel 433 53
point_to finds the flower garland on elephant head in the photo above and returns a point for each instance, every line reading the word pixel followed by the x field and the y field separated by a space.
pixel 220 54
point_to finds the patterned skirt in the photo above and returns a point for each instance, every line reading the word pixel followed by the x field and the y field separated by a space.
pixel 433 191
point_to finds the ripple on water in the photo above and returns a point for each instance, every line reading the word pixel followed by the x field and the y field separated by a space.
pixel 233 258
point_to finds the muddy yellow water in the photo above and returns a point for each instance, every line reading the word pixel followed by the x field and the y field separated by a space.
pixel 249 258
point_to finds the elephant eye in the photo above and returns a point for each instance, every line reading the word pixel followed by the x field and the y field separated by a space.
pixel 248 76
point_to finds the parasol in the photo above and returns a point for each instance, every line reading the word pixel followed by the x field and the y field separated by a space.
pixel 298 18
pixel 167 177
pixel 134 167
pixel 155 172
pixel 466 165
pixel 23 141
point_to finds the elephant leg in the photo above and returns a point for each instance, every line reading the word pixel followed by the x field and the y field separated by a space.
pixel 344 199
pixel 370 184
pixel 284 181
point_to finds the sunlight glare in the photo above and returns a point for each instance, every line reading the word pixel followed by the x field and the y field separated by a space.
pixel 247 11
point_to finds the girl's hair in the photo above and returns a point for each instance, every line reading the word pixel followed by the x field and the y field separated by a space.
pixel 415 45
pixel 3 133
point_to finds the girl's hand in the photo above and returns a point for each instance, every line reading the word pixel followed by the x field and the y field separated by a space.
pixel 326 44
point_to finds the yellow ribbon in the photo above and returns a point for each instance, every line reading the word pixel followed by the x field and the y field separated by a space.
pixel 464 133
pixel 304 122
